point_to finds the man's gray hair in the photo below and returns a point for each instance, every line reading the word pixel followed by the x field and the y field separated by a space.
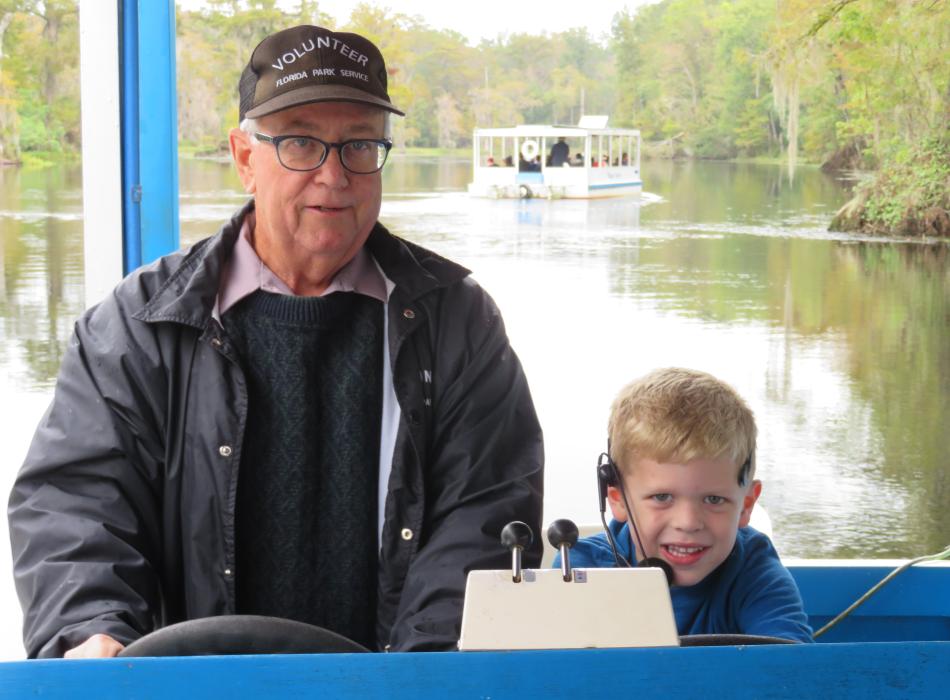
pixel 250 126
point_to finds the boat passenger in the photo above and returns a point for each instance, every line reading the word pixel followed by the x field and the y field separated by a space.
pixel 303 416
pixel 560 153
pixel 529 166
pixel 579 160
pixel 680 484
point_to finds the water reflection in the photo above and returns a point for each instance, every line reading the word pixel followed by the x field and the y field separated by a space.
pixel 41 252
pixel 741 193
pixel 839 345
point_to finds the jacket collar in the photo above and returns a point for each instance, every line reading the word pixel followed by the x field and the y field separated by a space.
pixel 413 270
pixel 188 295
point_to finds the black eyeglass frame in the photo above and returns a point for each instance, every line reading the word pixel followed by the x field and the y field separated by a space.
pixel 327 147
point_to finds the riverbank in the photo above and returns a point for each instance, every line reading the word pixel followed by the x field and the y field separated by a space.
pixel 193 151
pixel 41 159
pixel 908 196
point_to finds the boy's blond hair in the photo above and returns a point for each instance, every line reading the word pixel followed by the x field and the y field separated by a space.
pixel 677 415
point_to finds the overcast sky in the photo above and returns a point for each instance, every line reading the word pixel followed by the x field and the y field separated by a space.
pixel 486 18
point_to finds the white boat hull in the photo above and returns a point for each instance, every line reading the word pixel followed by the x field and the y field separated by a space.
pixel 516 190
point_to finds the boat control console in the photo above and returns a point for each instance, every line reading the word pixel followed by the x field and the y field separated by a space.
pixel 564 608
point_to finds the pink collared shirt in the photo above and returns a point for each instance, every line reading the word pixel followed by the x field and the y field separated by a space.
pixel 246 273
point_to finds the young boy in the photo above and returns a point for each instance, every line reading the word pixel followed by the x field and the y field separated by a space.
pixel 681 467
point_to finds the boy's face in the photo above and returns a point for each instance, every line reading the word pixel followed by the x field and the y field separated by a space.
pixel 687 514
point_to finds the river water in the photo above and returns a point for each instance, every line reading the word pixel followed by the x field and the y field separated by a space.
pixel 839 344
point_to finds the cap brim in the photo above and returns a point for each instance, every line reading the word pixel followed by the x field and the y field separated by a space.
pixel 320 93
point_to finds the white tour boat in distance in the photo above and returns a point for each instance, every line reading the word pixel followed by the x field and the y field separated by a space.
pixel 585 161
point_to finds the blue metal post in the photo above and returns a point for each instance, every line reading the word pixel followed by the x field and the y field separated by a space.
pixel 131 185
pixel 149 132
pixel 158 126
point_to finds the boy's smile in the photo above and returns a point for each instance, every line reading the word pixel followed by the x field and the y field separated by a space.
pixel 686 513
pixel 684 555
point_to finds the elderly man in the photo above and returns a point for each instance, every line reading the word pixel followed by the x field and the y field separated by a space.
pixel 302 416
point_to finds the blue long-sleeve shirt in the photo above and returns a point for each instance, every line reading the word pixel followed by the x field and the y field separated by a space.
pixel 751 592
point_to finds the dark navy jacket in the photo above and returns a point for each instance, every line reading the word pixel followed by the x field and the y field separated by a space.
pixel 122 519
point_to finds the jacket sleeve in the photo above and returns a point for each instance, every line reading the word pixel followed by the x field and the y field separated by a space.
pixel 484 468
pixel 770 603
pixel 84 508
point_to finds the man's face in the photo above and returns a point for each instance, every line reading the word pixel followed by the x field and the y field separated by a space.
pixel 687 514
pixel 314 220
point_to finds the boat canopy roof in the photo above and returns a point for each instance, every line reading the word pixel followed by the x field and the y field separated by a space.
pixel 527 130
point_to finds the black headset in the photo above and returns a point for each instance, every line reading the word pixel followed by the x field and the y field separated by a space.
pixel 608 474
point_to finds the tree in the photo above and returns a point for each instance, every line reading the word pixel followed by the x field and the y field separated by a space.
pixel 449 121
pixel 9 142
pixel 39 84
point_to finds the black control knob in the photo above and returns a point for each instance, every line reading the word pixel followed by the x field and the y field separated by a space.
pixel 516 535
pixel 562 534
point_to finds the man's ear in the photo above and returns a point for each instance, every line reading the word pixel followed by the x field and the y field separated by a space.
pixel 751 496
pixel 615 501
pixel 241 148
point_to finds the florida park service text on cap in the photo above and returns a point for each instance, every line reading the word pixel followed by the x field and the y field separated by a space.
pixel 312 64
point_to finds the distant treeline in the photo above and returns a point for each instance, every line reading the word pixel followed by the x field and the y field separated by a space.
pixel 39 77
pixel 445 86
pixel 849 82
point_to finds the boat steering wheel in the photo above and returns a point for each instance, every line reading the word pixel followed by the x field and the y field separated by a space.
pixel 240 634
pixel 730 640
pixel 226 635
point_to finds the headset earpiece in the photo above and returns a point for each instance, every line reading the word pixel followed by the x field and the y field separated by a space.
pixel 606 477
pixel 603 482
pixel 745 469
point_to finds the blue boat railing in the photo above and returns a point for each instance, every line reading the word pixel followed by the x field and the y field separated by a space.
pixel 915 606
pixel 896 645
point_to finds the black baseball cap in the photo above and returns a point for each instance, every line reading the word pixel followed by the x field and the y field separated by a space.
pixel 311 64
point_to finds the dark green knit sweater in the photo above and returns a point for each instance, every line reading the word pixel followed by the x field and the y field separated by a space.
pixel 306 516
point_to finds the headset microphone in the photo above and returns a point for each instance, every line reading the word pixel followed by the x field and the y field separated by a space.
pixel 609 475
pixel 658 563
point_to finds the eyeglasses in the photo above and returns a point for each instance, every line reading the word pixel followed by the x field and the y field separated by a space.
pixel 303 153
